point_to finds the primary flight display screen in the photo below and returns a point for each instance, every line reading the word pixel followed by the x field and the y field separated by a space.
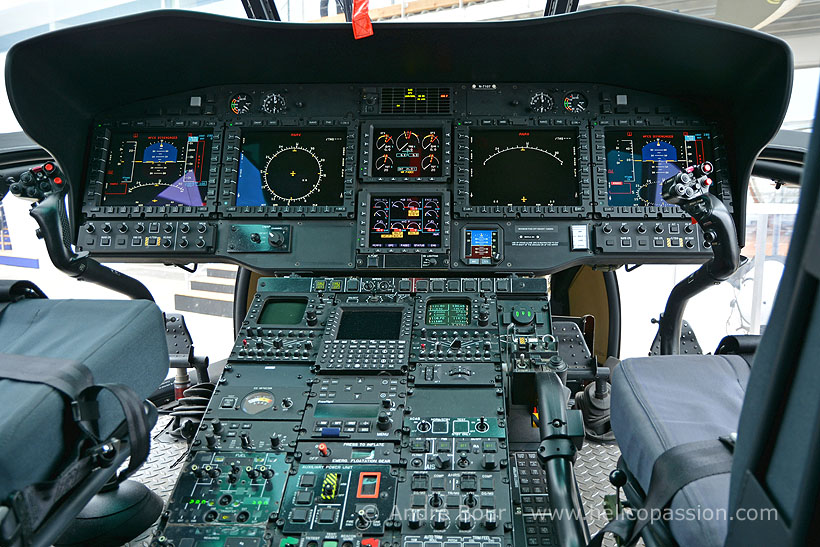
pixel 637 163
pixel 147 169
pixel 524 167
pixel 291 168
pixel 411 152
pixel 405 221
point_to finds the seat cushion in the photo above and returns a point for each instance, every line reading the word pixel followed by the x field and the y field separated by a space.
pixel 661 402
pixel 120 341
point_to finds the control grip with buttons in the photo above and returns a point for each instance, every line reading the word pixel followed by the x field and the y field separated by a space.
pixel 690 190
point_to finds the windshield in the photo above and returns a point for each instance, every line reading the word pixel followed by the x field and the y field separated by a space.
pixel 23 19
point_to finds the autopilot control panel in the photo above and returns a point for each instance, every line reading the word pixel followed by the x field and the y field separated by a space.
pixel 455 177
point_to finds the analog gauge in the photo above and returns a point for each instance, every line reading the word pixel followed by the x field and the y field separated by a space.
pixel 293 173
pixel 384 142
pixel 273 103
pixel 257 401
pixel 407 138
pixel 384 163
pixel 541 102
pixel 429 163
pixel 575 102
pixel 241 103
pixel 430 142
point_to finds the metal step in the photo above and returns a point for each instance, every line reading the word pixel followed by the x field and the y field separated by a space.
pixel 204 302
pixel 224 273
pixel 208 286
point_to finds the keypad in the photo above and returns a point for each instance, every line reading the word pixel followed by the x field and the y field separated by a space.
pixel 534 500
pixel 363 355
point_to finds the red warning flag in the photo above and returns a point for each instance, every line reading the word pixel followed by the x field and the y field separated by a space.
pixel 362 27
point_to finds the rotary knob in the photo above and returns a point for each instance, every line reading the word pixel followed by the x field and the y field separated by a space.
pixel 439 521
pixel 276 238
pixel 465 522
pixel 383 422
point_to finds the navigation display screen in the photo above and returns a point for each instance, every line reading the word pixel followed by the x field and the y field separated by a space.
pixel 291 168
pixel 637 163
pixel 157 169
pixel 406 152
pixel 524 167
pixel 405 221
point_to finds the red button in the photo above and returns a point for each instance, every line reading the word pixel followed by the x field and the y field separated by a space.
pixel 58 180
pixel 49 167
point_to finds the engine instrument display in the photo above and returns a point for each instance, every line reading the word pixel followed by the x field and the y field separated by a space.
pixel 637 163
pixel 448 314
pixel 291 167
pixel 405 221
pixel 406 152
pixel 524 167
pixel 146 169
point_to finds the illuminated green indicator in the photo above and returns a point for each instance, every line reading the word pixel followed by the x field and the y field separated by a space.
pixel 451 314
pixel 288 541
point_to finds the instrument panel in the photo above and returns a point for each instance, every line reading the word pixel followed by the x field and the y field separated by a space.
pixel 458 177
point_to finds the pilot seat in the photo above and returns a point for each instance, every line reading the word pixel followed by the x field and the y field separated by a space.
pixel 683 408
pixel 64 368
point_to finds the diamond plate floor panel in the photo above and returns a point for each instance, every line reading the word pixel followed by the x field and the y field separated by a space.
pixel 157 473
pixel 592 468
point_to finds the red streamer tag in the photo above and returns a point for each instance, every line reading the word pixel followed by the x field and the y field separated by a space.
pixel 362 26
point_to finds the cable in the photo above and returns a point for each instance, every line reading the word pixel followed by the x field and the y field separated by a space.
pixel 190 410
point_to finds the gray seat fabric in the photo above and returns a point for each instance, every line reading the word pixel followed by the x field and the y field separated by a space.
pixel 120 341
pixel 661 402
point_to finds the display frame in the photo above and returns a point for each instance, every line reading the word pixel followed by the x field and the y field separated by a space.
pixel 230 175
pixel 100 148
pixel 363 244
pixel 720 187
pixel 423 299
pixel 368 143
pixel 334 320
pixel 481 227
pixel 462 208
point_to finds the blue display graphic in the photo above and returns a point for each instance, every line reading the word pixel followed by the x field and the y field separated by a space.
pixel 482 237
pixel 249 184
pixel 160 152
pixel 639 161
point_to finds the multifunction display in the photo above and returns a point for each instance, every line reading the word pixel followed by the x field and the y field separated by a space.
pixel 405 221
pixel 147 169
pixel 637 163
pixel 411 152
pixel 448 314
pixel 291 168
pixel 524 167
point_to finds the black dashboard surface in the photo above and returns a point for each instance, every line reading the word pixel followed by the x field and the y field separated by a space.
pixel 524 146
